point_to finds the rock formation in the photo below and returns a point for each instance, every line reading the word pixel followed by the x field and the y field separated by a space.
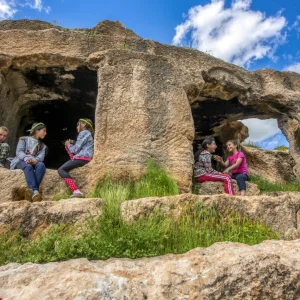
pixel 31 218
pixel 213 188
pixel 13 184
pixel 223 271
pixel 281 211
pixel 149 100
pixel 275 166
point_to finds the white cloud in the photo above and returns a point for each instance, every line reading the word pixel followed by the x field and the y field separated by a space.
pixel 8 8
pixel 236 34
pixel 38 4
pixel 261 129
pixel 273 144
pixel 294 68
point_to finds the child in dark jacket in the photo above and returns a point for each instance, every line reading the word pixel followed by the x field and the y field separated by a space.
pixel 203 170
pixel 30 155
pixel 81 153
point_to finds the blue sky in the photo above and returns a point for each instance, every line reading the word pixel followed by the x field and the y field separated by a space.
pixel 251 33
pixel 273 141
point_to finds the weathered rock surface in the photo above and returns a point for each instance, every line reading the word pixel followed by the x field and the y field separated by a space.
pixel 270 270
pixel 214 188
pixel 279 211
pixel 151 99
pixel 275 166
pixel 13 184
pixel 31 218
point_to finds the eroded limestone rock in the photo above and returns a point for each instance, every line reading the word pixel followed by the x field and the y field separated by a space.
pixel 13 184
pixel 275 166
pixel 223 271
pixel 278 211
pixel 151 99
pixel 214 188
pixel 31 218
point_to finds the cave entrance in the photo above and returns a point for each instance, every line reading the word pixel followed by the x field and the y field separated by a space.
pixel 221 119
pixel 74 97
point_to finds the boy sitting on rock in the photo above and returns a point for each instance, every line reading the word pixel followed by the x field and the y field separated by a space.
pixel 4 148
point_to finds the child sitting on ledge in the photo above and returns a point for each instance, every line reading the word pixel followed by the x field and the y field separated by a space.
pixel 81 152
pixel 237 164
pixel 30 155
pixel 203 170
pixel 4 148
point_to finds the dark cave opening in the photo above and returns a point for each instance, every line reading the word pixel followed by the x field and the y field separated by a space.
pixel 78 90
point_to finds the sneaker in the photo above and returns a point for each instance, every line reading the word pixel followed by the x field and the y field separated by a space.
pixel 77 194
pixel 28 194
pixel 36 197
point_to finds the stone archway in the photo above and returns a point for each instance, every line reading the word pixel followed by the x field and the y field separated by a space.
pixel 217 106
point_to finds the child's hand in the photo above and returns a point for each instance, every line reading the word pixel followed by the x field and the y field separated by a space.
pixel 226 171
pixel 34 162
pixel 218 158
pixel 29 161
pixel 67 143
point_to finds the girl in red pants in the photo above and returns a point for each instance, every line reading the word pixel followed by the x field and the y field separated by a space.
pixel 81 153
pixel 203 170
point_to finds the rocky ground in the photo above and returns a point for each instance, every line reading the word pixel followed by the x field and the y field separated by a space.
pixel 270 270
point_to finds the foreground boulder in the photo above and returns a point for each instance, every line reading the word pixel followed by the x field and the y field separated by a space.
pixel 213 188
pixel 280 211
pixel 270 270
pixel 31 218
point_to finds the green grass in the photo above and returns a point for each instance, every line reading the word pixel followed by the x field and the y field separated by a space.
pixel 109 236
pixel 267 186
pixel 282 148
pixel 65 195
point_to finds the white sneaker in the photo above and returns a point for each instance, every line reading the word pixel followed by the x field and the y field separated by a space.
pixel 36 197
pixel 77 194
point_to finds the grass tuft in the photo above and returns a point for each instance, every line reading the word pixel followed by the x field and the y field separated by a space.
pixel 267 186
pixel 282 148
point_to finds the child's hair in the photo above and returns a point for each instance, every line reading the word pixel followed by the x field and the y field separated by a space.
pixel 88 124
pixel 207 141
pixel 236 143
pixel 4 129
pixel 35 127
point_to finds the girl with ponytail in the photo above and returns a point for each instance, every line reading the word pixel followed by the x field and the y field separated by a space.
pixel 81 152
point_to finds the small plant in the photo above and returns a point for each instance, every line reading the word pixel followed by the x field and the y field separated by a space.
pixel 65 195
pixel 282 148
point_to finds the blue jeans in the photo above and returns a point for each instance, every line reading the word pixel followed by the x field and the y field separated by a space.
pixel 33 174
pixel 241 179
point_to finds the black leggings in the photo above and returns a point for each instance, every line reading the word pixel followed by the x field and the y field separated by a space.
pixel 70 165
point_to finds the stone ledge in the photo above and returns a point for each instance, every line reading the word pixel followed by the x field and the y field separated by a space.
pixel 280 212
pixel 217 187
pixel 269 270
pixel 31 218
pixel 13 184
